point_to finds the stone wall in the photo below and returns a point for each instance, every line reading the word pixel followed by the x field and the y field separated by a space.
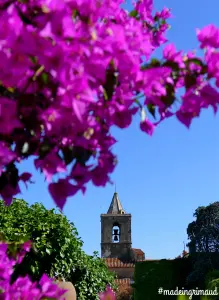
pixel 121 250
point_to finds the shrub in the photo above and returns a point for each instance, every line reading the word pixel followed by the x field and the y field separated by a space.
pixel 124 292
pixel 57 248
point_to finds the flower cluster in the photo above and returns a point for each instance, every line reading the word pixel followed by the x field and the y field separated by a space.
pixel 72 69
pixel 23 287
pixel 108 294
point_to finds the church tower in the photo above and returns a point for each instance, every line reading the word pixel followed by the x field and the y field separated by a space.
pixel 116 241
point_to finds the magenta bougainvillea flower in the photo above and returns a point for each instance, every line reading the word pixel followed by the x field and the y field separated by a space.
pixel 88 67
pixel 23 287
pixel 108 294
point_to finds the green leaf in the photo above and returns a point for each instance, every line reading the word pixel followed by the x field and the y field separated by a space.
pixel 163 22
pixel 133 13
pixel 34 59
pixel 151 109
pixel 195 61
pixel 190 80
pixel 154 62
pixel 33 270
pixel 82 155
pixel 45 77
pixel 75 14
pixel 48 251
pixel 45 147
pixel 173 65
pixel 110 83
pixel 68 154
pixel 169 98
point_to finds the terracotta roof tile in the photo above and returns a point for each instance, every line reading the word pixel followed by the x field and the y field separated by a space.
pixel 138 251
pixel 116 263
pixel 125 281
pixel 185 253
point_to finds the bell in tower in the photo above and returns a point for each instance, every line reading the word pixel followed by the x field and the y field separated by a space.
pixel 116 234
pixel 116 239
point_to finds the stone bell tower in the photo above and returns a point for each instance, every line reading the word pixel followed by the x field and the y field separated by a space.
pixel 116 239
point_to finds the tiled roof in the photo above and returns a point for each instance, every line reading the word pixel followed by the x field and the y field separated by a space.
pixel 138 251
pixel 116 263
pixel 184 253
pixel 155 259
pixel 125 281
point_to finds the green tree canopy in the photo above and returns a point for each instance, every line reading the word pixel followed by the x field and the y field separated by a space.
pixel 203 233
pixel 57 248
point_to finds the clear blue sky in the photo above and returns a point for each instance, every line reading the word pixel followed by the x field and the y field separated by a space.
pixel 161 180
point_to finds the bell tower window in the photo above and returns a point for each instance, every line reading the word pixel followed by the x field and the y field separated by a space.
pixel 115 233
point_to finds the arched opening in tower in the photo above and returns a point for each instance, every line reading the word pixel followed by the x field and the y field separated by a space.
pixel 115 233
